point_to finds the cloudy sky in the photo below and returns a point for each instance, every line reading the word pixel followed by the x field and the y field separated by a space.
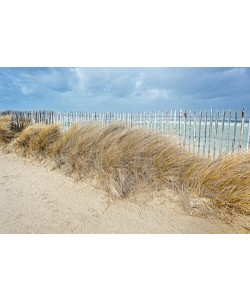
pixel 124 89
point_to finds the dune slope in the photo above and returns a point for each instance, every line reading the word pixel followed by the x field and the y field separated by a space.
pixel 35 199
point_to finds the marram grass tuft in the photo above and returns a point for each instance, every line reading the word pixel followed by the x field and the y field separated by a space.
pixel 129 160
pixel 38 139
pixel 6 131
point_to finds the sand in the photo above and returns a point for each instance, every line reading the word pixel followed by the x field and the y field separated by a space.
pixel 36 199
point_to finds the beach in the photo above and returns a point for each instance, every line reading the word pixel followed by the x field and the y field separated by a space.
pixel 37 199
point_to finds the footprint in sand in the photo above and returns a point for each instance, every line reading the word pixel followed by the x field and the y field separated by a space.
pixel 93 212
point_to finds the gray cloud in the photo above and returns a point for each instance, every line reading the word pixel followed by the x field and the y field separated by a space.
pixel 124 89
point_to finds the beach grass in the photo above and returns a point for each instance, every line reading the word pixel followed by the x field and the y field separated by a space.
pixel 6 130
pixel 130 160
pixel 37 139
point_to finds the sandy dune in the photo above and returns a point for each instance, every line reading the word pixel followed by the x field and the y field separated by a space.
pixel 35 199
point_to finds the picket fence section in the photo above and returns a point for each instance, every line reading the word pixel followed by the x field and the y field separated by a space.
pixel 206 133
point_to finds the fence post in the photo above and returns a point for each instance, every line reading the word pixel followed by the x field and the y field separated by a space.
pixel 175 123
pixel 215 133
pixel 248 136
pixel 210 131
pixel 171 122
pixel 205 134
pixel 222 132
pixel 241 130
pixel 155 121
pixel 228 131
pixel 180 133
pixel 185 128
pixel 189 133
pixel 199 139
pixel 151 120
pixel 235 128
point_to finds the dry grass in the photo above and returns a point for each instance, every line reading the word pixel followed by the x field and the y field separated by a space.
pixel 226 181
pixel 125 160
pixel 6 131
pixel 38 139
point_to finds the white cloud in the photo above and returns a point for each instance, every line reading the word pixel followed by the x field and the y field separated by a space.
pixel 139 81
pixel 81 81
pixel 26 90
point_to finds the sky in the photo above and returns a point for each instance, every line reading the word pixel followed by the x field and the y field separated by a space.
pixel 124 89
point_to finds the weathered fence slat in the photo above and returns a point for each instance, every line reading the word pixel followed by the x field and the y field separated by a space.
pixel 222 132
pixel 235 128
pixel 194 135
pixel 199 136
pixel 210 131
pixel 228 131
pixel 171 122
pixel 189 131
pixel 175 122
pixel 241 129
pixel 248 136
pixel 215 133
pixel 185 128
pixel 166 129
pixel 205 134
pixel 180 113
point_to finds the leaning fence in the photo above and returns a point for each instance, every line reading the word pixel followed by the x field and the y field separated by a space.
pixel 210 133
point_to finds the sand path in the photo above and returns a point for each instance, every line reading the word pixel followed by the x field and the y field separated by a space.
pixel 35 199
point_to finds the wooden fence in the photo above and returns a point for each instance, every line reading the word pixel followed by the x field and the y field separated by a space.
pixel 206 133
